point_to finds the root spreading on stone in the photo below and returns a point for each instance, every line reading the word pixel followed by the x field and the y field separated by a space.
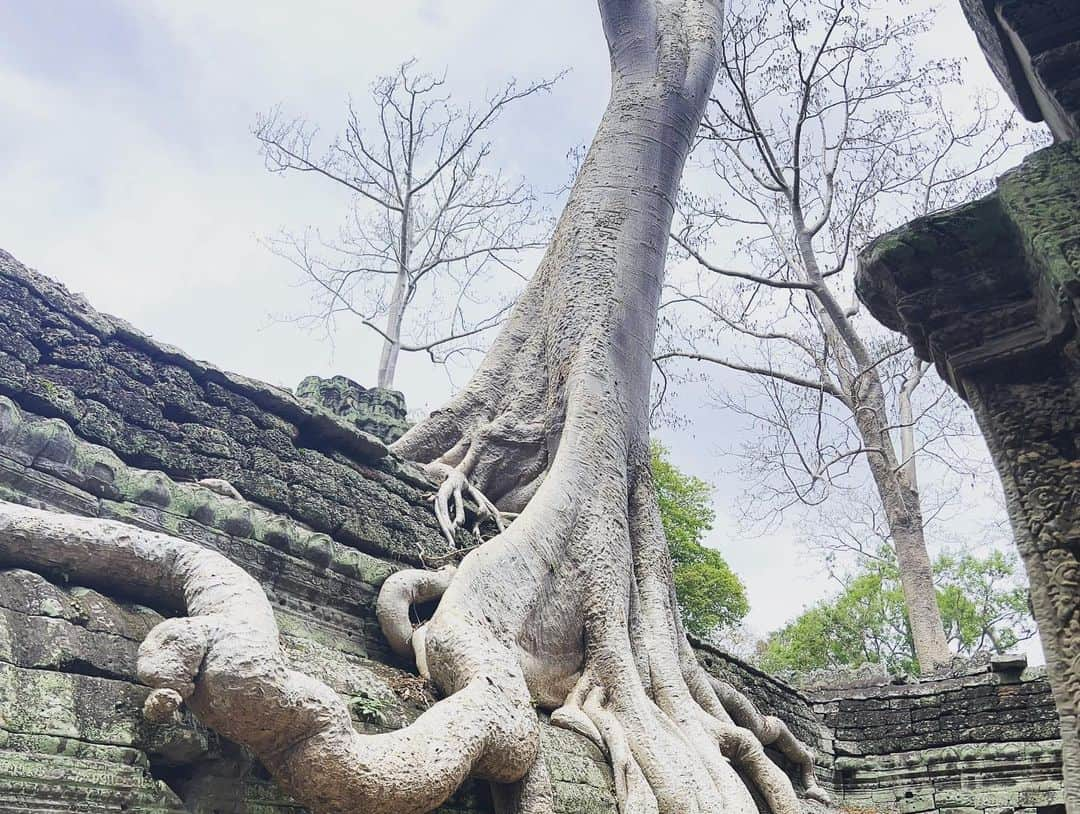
pixel 224 660
pixel 571 608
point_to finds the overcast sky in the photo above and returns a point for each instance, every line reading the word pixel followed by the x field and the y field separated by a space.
pixel 129 174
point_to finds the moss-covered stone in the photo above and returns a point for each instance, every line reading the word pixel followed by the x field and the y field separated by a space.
pixel 99 420
pixel 374 410
pixel 1042 198
pixel 997 310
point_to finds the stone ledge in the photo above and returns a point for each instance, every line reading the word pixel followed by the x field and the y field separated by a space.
pixel 158 409
pixel 319 423
pixel 990 284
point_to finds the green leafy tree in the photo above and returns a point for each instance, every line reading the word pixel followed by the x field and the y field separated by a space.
pixel 711 597
pixel 984 608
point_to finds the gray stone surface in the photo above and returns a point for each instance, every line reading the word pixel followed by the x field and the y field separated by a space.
pixel 983 740
pixel 1033 47
pixel 71 737
pixel 375 410
pixel 157 409
pixel 990 292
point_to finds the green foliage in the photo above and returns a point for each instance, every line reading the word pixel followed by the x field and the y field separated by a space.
pixel 711 597
pixel 366 708
pixel 982 605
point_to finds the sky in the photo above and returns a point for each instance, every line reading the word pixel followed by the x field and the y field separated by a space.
pixel 130 174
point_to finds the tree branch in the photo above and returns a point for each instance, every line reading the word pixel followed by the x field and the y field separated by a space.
pixel 790 378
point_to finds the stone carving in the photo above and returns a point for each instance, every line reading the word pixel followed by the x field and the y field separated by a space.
pixel 374 410
pixel 988 292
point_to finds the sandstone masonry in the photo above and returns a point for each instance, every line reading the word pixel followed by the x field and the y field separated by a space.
pixel 99 420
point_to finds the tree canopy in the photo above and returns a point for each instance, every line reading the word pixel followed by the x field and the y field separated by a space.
pixel 711 596
pixel 431 220
pixel 983 604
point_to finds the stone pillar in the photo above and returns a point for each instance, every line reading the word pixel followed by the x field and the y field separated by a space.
pixel 1033 47
pixel 990 293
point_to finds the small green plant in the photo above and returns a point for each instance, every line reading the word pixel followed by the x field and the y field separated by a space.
pixel 712 598
pixel 366 708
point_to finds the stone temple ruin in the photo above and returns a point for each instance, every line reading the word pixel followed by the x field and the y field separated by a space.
pixel 97 419
pixel 990 292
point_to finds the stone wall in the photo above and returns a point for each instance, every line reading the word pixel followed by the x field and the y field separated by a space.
pixel 982 740
pixel 1033 47
pixel 99 420
pixel 777 698
pixel 157 409
pixel 987 742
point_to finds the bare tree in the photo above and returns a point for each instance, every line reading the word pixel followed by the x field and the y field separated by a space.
pixel 429 220
pixel 824 130
pixel 570 608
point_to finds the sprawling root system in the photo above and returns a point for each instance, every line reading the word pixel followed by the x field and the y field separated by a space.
pixel 569 608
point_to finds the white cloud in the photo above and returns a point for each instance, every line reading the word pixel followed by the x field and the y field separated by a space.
pixel 138 183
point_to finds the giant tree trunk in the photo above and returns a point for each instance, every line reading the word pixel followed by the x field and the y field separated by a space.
pixel 578 590
pixel 572 607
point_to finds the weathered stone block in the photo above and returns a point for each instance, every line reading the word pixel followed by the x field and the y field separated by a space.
pixel 375 410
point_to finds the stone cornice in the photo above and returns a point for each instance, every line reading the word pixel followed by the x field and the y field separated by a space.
pixel 991 284
pixel 982 17
pixel 320 425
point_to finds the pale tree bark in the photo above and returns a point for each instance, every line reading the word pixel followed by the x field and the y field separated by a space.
pixel 395 312
pixel 912 378
pixel 391 347
pixel 906 523
pixel 571 606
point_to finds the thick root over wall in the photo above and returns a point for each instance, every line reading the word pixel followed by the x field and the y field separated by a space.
pixel 571 607
pixel 223 659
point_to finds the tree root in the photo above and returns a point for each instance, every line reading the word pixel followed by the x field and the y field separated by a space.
pixel 399 592
pixel 665 728
pixel 771 731
pixel 224 660
pixel 453 489
pixel 572 716
pixel 667 738
pixel 633 791
pixel 666 731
